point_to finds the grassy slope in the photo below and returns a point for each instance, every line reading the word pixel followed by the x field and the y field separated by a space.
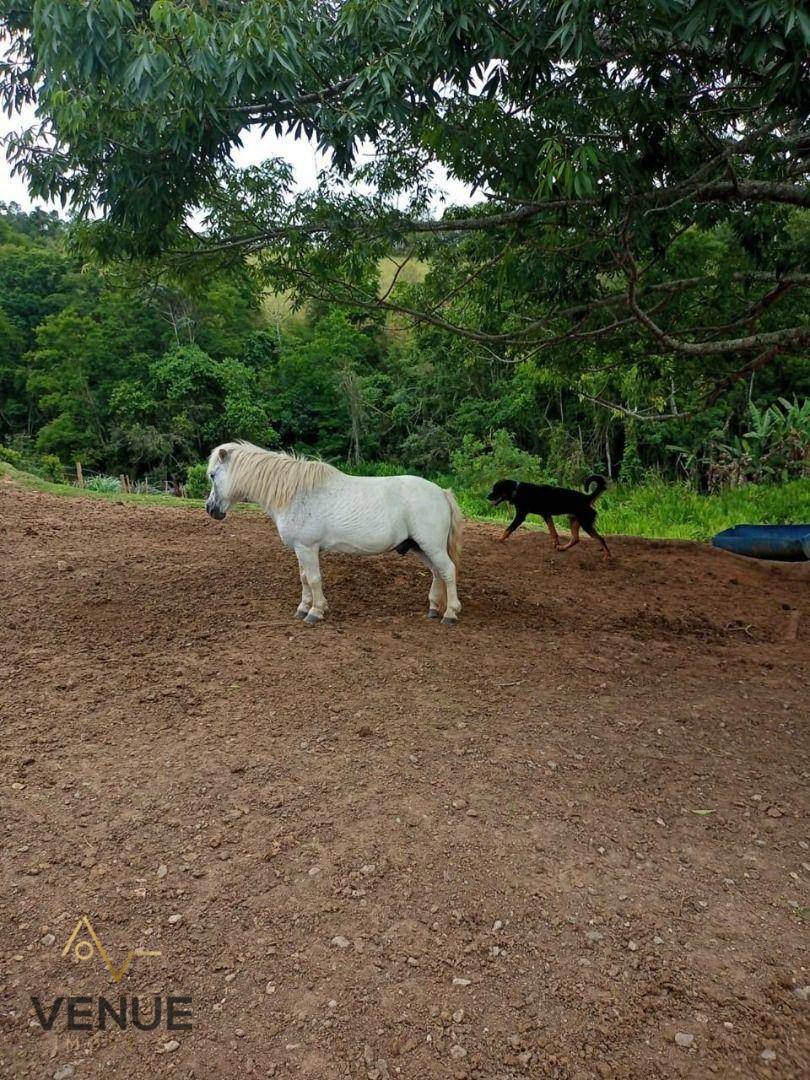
pixel 34 483
pixel 278 308
pixel 655 510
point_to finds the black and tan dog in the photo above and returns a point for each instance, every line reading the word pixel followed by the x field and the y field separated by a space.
pixel 547 502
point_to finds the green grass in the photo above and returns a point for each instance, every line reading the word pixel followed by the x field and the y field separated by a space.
pixel 655 509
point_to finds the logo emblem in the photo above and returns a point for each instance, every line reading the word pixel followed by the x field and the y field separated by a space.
pixel 86 946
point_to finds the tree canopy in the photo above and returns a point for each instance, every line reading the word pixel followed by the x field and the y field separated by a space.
pixel 602 136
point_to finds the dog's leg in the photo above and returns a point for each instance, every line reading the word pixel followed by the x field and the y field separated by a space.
pixel 591 531
pixel 574 535
pixel 518 520
pixel 555 536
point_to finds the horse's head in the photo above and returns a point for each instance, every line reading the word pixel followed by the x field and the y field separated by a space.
pixel 221 494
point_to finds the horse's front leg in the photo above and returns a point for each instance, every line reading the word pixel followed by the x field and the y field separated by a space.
pixel 311 570
pixel 302 610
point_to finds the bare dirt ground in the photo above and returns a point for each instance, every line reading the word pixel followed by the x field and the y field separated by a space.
pixel 543 843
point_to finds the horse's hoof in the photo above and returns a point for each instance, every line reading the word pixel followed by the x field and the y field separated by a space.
pixel 301 613
pixel 434 614
pixel 449 620
pixel 312 620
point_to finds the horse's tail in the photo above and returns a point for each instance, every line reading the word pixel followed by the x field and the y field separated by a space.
pixel 456 527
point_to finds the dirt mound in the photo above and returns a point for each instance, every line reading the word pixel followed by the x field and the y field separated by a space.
pixel 543 843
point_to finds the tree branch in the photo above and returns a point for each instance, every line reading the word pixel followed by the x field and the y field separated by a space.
pixel 787 338
pixel 710 399
pixel 315 97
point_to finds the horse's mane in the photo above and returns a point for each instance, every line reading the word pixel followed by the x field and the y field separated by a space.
pixel 273 477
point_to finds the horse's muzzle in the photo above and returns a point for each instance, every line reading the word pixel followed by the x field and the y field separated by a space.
pixel 214 511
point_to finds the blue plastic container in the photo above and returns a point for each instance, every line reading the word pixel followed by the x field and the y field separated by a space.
pixel 788 543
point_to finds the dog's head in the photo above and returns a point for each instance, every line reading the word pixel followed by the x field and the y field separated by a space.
pixel 503 491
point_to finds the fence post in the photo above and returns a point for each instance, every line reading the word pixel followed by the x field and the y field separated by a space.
pixel 79 475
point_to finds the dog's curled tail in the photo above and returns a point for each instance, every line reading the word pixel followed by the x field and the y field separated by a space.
pixel 599 482
pixel 456 527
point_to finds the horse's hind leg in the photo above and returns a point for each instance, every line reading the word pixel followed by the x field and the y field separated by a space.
pixel 311 570
pixel 437 589
pixel 446 569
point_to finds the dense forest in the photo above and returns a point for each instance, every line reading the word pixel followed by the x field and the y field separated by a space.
pixel 136 375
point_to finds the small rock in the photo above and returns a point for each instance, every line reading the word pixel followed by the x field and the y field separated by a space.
pixel 48 939
pixel 314 871
pixel 340 941
pixel 768 1055
pixel 684 1039
pixel 658 940
pixel 497 925
pixel 230 976
pixel 461 982
pixel 270 988
pixel 63 567
pixel 171 1046
pixel 457 1052
pixel 63 1072
pixel 594 936
pixel 162 871
pixel 802 992
pixel 175 920
pixel 632 946
pixel 472 813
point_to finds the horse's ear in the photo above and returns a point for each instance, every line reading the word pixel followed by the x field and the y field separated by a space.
pixel 223 453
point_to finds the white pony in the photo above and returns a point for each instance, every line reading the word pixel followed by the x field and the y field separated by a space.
pixel 317 507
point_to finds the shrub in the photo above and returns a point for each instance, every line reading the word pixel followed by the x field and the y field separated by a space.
pixel 13 457
pixel 108 484
pixel 373 468
pixel 478 466
pixel 52 468
pixel 197 482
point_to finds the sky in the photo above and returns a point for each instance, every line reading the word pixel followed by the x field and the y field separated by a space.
pixel 300 153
